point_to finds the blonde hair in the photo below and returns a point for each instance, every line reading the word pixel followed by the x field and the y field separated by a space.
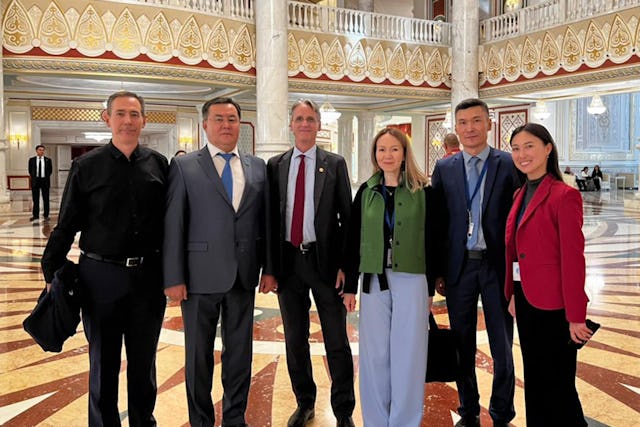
pixel 415 178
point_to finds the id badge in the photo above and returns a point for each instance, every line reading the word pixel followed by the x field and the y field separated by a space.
pixel 470 222
pixel 516 271
pixel 389 258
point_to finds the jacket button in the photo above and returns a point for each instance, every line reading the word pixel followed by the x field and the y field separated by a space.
pixel 399 222
pixel 521 256
pixel 397 242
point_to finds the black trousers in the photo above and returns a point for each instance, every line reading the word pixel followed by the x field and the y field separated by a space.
pixel 200 313
pixel 479 280
pixel 551 398
pixel 295 304
pixel 127 304
pixel 40 185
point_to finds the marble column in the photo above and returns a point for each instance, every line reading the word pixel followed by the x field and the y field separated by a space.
pixel 272 132
pixel 345 139
pixel 366 132
pixel 464 51
pixel 4 192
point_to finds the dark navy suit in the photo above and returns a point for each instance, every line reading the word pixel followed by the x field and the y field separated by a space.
pixel 467 279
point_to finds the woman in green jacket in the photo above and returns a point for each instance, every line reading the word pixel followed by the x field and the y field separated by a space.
pixel 389 241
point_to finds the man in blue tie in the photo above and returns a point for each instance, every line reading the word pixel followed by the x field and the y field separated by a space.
pixel 216 236
pixel 475 188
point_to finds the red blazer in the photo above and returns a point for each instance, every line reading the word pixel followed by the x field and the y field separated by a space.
pixel 549 245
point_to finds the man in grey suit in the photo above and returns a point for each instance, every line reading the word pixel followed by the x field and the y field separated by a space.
pixel 215 245
pixel 311 202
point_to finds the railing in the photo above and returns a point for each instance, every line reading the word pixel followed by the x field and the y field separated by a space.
pixel 239 9
pixel 546 15
pixel 325 19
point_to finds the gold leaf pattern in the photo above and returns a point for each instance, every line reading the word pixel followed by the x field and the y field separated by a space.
pixel 190 42
pixel 293 56
pixel 397 66
pixel 17 32
pixel 511 63
pixel 335 61
pixel 530 59
pixel 218 45
pixel 126 36
pixel 594 44
pixel 377 64
pixel 416 68
pixel 242 50
pixel 435 69
pixel 357 63
pixel 620 41
pixel 571 50
pixel 312 59
pixel 159 41
pixel 549 55
pixel 494 67
pixel 91 36
pixel 54 31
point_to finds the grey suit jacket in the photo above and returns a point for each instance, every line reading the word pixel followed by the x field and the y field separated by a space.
pixel 207 245
pixel 332 200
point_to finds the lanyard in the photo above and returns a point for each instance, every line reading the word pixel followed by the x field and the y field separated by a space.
pixel 389 219
pixel 475 190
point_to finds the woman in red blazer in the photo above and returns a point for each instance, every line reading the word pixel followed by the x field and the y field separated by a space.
pixel 545 280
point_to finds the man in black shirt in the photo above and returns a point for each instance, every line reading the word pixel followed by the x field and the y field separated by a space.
pixel 114 196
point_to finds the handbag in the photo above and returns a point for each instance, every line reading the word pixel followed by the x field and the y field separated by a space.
pixel 443 360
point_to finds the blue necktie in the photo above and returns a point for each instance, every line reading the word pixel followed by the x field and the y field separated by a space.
pixel 475 202
pixel 227 176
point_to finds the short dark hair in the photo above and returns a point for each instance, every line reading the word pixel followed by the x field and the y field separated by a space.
pixel 219 100
pixel 472 102
pixel 40 146
pixel 539 131
pixel 125 94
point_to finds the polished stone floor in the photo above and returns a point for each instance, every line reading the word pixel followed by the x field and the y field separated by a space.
pixel 50 389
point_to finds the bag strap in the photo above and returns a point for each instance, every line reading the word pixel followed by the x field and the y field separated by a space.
pixel 432 322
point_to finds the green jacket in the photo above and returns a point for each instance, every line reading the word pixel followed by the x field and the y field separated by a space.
pixel 408 232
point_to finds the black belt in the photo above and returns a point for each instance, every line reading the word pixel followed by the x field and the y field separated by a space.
pixel 477 255
pixel 126 262
pixel 304 248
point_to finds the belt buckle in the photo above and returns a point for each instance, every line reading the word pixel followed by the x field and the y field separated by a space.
pixel 133 262
pixel 303 248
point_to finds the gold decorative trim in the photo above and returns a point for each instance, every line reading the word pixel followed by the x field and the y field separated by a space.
pixel 92 115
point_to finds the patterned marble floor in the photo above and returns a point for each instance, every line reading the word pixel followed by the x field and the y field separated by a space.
pixel 49 389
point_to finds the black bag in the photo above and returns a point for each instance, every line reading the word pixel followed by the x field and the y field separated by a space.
pixel 443 361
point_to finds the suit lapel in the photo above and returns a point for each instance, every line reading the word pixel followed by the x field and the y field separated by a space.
pixel 542 192
pixel 459 184
pixel 283 179
pixel 247 171
pixel 319 176
pixel 206 163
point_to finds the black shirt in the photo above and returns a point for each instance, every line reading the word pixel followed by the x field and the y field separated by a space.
pixel 117 204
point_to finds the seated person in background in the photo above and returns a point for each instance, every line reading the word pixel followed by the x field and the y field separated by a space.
pixel 588 183
pixel 567 170
pixel 581 179
pixel 596 175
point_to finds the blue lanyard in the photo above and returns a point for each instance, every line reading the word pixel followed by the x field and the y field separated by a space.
pixel 475 190
pixel 390 220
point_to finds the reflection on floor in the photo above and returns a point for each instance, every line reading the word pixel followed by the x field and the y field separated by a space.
pixel 50 389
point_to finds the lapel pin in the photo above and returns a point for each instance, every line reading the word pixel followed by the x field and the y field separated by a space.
pixel 321 170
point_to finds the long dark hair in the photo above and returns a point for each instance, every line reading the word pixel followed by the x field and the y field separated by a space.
pixel 541 132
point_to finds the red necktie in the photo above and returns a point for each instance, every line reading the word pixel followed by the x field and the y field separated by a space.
pixel 298 206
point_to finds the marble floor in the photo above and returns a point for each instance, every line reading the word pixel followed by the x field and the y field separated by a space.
pixel 50 389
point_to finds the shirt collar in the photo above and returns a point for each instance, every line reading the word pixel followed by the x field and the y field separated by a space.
pixel 214 151
pixel 483 155
pixel 309 154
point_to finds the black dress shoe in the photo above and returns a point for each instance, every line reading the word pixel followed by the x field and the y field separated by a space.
pixel 301 417
pixel 469 421
pixel 33 218
pixel 345 422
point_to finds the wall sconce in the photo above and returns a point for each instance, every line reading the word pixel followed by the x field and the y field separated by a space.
pixel 329 114
pixel 447 120
pixel 185 142
pixel 596 107
pixel 540 111
pixel 17 138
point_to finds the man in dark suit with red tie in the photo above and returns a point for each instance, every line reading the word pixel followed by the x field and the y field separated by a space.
pixel 310 206
pixel 40 169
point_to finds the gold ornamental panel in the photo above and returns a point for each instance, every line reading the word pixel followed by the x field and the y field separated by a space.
pixel 92 115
